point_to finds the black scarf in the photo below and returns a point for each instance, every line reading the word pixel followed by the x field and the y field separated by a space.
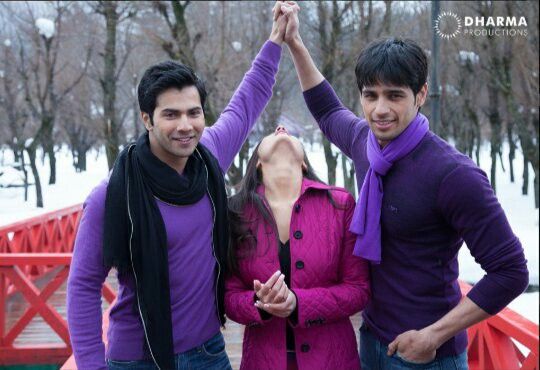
pixel 135 238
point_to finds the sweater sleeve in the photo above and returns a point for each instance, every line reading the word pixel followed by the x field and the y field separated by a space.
pixel 86 277
pixel 338 124
pixel 225 138
pixel 240 303
pixel 467 201
pixel 320 305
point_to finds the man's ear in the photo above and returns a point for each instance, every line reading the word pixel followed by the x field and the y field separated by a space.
pixel 422 95
pixel 304 167
pixel 147 121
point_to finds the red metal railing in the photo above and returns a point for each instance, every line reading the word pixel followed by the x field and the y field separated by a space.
pixel 492 343
pixel 12 275
pixel 42 244
pixel 35 255
pixel 52 232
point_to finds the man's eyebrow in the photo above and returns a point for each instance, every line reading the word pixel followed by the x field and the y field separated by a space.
pixel 170 110
pixel 394 91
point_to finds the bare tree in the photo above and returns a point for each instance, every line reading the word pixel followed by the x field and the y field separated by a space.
pixel 182 44
pixel 114 13
pixel 40 70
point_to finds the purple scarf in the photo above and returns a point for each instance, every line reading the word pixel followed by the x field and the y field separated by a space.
pixel 366 222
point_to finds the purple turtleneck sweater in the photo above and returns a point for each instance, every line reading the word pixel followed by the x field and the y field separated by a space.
pixel 435 198
pixel 189 238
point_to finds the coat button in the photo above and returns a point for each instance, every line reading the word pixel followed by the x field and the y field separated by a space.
pixel 298 234
pixel 304 347
pixel 300 265
pixel 297 208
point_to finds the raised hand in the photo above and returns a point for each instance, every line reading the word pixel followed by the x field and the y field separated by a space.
pixel 279 24
pixel 290 10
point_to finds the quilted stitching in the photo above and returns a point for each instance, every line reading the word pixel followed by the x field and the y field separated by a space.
pixel 331 285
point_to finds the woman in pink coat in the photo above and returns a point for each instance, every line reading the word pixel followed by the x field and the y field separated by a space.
pixel 295 281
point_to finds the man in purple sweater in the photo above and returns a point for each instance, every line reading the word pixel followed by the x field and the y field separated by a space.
pixel 420 199
pixel 161 221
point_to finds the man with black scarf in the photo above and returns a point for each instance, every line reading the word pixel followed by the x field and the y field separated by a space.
pixel 161 221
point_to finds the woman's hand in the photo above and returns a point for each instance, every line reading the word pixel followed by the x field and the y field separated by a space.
pixel 274 296
pixel 279 25
pixel 284 309
pixel 273 291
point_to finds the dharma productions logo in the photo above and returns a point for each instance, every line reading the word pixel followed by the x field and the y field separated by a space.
pixel 448 25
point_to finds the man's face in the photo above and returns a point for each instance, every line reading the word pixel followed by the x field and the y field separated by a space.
pixel 178 125
pixel 390 109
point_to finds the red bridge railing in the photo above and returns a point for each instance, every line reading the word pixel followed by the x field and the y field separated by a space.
pixel 41 247
pixel 35 256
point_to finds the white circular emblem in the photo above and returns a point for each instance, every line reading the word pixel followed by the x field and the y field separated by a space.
pixel 447 25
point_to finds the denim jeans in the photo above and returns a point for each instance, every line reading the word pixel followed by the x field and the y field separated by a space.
pixel 209 355
pixel 373 357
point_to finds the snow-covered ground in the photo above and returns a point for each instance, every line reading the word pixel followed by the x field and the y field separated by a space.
pixel 73 187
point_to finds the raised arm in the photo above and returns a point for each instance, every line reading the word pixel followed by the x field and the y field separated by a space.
pixel 338 124
pixel 86 277
pixel 227 135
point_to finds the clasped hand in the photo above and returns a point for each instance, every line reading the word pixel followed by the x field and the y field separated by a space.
pixel 274 296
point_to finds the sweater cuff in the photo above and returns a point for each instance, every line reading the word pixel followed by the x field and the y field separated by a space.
pixel 483 292
pixel 270 52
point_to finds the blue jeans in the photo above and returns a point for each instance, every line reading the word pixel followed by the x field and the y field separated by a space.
pixel 373 357
pixel 209 355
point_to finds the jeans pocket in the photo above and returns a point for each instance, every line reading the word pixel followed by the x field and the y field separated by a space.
pixel 215 346
pixel 416 365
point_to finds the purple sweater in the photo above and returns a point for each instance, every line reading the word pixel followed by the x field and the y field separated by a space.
pixel 191 262
pixel 435 198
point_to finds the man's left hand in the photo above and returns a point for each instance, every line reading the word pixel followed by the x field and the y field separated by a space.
pixel 416 346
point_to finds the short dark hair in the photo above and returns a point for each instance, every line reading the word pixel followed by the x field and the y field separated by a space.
pixel 392 61
pixel 163 76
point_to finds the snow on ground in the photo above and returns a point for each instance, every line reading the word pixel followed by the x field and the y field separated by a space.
pixel 73 187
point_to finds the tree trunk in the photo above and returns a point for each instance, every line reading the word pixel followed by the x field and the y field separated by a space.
pixel 80 165
pixel 32 156
pixel 495 123
pixel 52 162
pixel 512 152
pixel 536 194
pixel 235 172
pixel 331 161
pixel 108 84
pixel 46 139
pixel 525 186
pixel 25 172
pixel 348 175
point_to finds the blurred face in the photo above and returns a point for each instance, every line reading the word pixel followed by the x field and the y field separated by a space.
pixel 178 125
pixel 390 109
pixel 280 148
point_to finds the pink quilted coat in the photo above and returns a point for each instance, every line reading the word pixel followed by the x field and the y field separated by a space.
pixel 330 283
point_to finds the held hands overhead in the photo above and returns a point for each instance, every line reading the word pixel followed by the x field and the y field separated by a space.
pixel 285 26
